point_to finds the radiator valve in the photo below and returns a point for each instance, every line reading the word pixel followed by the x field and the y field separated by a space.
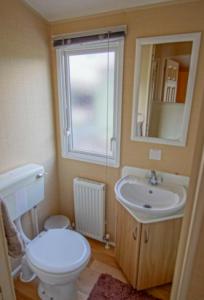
pixel 107 240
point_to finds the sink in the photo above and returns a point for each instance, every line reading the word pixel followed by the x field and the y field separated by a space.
pixel 142 197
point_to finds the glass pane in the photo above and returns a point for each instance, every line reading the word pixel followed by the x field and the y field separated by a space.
pixel 92 101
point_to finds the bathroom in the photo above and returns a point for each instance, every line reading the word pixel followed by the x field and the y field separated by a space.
pixel 30 119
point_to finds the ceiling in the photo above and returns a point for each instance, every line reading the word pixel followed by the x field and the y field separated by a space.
pixel 54 10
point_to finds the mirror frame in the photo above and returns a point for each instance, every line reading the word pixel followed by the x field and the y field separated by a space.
pixel 186 37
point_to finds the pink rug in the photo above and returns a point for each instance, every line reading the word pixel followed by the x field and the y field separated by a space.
pixel 110 288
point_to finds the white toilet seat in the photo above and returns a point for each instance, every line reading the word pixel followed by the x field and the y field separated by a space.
pixel 58 251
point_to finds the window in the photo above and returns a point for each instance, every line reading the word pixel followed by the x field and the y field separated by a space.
pixel 90 92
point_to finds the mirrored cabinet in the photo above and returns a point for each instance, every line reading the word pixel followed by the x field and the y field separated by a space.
pixel 165 70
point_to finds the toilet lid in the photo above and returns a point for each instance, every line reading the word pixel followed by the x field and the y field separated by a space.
pixel 58 251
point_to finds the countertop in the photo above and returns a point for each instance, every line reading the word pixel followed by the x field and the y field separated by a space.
pixel 145 219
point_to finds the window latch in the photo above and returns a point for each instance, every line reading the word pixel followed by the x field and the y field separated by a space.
pixel 112 141
pixel 68 132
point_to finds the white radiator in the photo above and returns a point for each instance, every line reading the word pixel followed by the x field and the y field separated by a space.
pixel 89 204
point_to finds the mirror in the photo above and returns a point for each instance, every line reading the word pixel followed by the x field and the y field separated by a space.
pixel 165 69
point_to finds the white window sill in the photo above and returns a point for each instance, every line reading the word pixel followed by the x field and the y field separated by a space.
pixel 93 160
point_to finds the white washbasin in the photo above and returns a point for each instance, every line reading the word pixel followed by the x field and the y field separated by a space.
pixel 142 197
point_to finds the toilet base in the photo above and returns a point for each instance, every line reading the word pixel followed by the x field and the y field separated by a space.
pixel 57 292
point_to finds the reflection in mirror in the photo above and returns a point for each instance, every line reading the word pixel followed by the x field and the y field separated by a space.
pixel 164 77
pixel 162 100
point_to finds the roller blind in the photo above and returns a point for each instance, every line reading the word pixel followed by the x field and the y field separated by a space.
pixel 89 37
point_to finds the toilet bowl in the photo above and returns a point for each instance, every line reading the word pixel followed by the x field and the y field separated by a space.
pixel 57 257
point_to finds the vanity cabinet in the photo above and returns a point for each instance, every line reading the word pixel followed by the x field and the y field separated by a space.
pixel 127 244
pixel 146 252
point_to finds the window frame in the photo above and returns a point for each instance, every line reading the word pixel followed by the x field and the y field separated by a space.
pixel 62 54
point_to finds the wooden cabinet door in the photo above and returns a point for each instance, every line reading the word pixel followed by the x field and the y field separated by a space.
pixel 158 250
pixel 127 243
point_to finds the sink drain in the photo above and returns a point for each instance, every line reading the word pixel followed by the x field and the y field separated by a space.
pixel 147 206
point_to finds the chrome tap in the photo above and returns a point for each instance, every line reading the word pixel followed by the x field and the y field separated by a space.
pixel 153 179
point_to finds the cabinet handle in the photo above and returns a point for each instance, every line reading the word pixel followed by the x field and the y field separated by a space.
pixel 134 234
pixel 146 236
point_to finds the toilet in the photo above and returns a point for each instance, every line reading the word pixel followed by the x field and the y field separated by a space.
pixel 56 256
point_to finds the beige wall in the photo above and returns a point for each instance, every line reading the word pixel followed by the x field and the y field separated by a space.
pixel 26 109
pixel 168 19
